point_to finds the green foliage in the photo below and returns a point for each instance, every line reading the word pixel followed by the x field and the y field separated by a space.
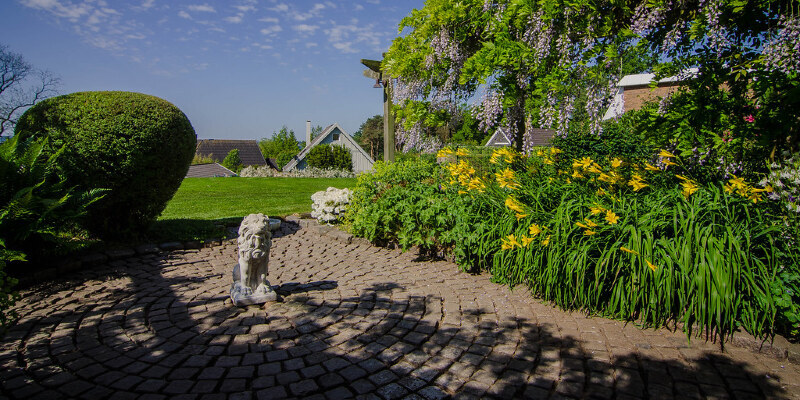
pixel 284 157
pixel 540 62
pixel 36 207
pixel 280 142
pixel 607 236
pixel 400 203
pixel 200 159
pixel 327 156
pixel 136 145
pixel 232 161
pixel 619 139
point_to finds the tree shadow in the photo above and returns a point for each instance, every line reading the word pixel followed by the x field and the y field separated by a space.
pixel 164 325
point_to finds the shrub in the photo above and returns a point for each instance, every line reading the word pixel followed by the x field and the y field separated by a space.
pixel 329 206
pixel 201 159
pixel 138 146
pixel 309 172
pixel 327 156
pixel 232 161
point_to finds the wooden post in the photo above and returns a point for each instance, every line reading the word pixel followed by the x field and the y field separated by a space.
pixel 374 72
pixel 388 122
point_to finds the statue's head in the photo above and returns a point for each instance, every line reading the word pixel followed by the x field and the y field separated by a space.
pixel 254 237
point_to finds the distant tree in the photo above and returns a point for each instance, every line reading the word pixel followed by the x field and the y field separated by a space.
pixel 232 161
pixel 316 131
pixel 282 146
pixel 15 96
pixel 370 136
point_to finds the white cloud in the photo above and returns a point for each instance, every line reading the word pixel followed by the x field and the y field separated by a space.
pixel 55 7
pixel 271 20
pixel 184 14
pixel 235 19
pixel 201 8
pixel 306 29
pixel 147 4
pixel 271 30
pixel 346 38
pixel 282 7
pixel 311 44
pixel 359 7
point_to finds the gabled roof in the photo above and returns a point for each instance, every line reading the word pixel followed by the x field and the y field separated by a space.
pixel 498 139
pixel 539 137
pixel 208 171
pixel 249 152
pixel 319 139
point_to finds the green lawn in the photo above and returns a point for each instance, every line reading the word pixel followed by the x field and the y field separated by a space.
pixel 203 205
pixel 218 198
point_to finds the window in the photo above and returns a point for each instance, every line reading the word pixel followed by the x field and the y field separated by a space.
pixel 335 137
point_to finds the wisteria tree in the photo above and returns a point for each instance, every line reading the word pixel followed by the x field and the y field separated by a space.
pixel 527 61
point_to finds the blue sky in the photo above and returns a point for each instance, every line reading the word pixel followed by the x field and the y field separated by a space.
pixel 239 69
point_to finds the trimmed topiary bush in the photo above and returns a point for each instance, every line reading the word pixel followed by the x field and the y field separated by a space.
pixel 137 145
pixel 326 156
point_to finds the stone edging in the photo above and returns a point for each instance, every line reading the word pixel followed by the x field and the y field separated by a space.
pixel 779 347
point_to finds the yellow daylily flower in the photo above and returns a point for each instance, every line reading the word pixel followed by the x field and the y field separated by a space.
pixel 507 179
pixel 649 167
pixel 555 151
pixel 576 174
pixel 546 241
pixel 666 154
pixel 616 162
pixel 728 188
pixel 649 264
pixel 526 240
pixel 509 242
pixel 534 230
pixel 593 169
pixel 584 163
pixel 462 153
pixel 594 210
pixel 462 192
pixel 611 217
pixel 689 188
pixel 588 232
pixel 589 222
pixel 445 152
pixel 637 185
pixel 627 250
pixel 669 162
pixel 514 205
pixel 547 161
pixel 582 225
pixel 738 183
pixel 539 153
pixel 476 184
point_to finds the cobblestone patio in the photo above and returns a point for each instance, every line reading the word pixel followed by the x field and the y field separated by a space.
pixel 355 321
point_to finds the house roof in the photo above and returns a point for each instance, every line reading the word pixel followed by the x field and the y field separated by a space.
pixel 319 139
pixel 249 152
pixel 208 171
pixel 539 137
pixel 645 79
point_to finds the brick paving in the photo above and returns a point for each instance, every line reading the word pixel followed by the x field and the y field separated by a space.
pixel 355 321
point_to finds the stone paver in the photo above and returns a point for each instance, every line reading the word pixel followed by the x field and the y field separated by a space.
pixel 355 321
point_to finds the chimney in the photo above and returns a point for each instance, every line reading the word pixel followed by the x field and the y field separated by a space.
pixel 308 133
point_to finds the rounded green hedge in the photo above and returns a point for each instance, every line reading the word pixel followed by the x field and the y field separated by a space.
pixel 328 156
pixel 137 145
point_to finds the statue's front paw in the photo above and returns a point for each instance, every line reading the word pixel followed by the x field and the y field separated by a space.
pixel 246 291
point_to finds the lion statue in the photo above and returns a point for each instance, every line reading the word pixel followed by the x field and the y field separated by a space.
pixel 250 285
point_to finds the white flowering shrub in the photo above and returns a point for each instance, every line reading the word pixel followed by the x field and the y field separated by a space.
pixel 309 172
pixel 784 179
pixel 330 205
